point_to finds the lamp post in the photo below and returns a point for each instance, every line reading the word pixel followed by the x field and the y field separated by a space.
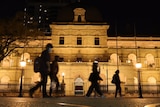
pixel 63 84
pixel 138 66
pixel 107 77
pixel 63 78
pixel 22 64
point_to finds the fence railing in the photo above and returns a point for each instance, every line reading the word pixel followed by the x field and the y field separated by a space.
pixel 148 89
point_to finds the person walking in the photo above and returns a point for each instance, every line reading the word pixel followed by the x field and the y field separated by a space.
pixel 94 78
pixel 44 71
pixel 53 74
pixel 117 83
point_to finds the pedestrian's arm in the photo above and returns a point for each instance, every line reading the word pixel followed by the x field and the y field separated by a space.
pixel 48 66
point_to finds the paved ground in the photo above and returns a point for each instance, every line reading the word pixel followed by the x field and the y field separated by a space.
pixel 79 102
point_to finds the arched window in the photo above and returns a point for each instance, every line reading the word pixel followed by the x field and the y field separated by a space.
pixel 150 60
pixel 79 18
pixel 132 59
pixel 6 62
pixel 114 58
pixel 79 15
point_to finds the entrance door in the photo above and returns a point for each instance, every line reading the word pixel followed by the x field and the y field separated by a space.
pixel 78 83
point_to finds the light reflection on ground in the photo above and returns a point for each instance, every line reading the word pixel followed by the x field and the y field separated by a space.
pixel 153 105
pixel 72 105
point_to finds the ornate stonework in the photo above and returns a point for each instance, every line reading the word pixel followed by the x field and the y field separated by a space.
pixel 79 15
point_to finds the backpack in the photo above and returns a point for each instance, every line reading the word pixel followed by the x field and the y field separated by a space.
pixel 37 64
pixel 113 79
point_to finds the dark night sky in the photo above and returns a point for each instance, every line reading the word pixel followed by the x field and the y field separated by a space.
pixel 145 15
pixel 8 8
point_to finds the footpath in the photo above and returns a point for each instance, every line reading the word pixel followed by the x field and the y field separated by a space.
pixel 81 101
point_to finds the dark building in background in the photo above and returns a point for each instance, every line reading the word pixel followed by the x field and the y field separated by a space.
pixel 43 12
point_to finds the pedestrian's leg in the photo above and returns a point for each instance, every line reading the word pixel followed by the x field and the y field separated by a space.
pixel 31 91
pixel 90 90
pixel 51 84
pixel 50 91
pixel 120 93
pixel 116 92
pixel 44 86
pixel 57 84
pixel 97 89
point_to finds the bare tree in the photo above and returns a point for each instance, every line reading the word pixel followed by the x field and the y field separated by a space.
pixel 12 31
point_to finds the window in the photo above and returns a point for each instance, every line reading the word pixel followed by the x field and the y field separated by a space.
pixel 61 40
pixel 79 15
pixel 61 59
pixel 96 41
pixel 79 18
pixel 79 41
pixel 79 60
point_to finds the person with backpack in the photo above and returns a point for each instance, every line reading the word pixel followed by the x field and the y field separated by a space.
pixel 53 74
pixel 44 71
pixel 117 83
pixel 94 79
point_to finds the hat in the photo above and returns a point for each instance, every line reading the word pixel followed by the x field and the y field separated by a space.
pixel 96 62
pixel 49 45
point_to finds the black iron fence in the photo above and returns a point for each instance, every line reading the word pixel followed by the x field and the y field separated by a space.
pixel 14 89
pixel 131 89
pixel 147 89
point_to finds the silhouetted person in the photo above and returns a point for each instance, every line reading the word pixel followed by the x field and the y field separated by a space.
pixel 117 83
pixel 44 71
pixel 53 74
pixel 94 78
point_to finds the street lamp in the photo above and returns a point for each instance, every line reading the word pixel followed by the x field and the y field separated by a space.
pixel 138 66
pixel 63 78
pixel 107 77
pixel 63 84
pixel 22 64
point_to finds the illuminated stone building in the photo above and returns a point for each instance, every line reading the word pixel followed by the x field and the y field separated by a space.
pixel 79 37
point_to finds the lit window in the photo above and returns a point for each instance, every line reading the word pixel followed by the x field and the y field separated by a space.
pixel 45 11
pixel 96 41
pixel 25 9
pixel 61 59
pixel 79 60
pixel 31 18
pixel 61 40
pixel 79 41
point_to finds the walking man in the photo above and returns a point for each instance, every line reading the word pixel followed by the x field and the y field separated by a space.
pixel 94 78
pixel 44 71
pixel 117 83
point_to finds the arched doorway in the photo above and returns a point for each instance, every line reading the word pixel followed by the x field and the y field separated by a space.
pixel 152 85
pixel 79 86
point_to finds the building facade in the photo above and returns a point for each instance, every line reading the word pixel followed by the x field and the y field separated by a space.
pixel 79 37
